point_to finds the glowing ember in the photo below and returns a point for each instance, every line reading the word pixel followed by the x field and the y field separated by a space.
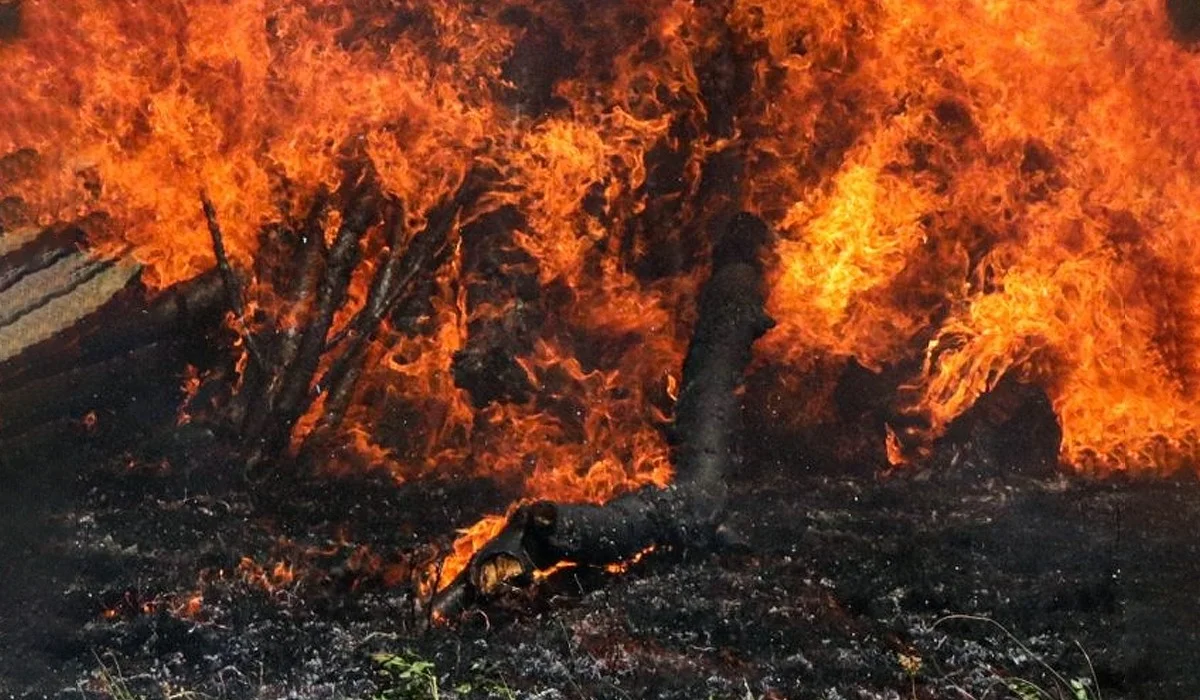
pixel 622 567
pixel 277 577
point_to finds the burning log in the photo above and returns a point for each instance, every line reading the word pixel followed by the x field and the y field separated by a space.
pixel 686 514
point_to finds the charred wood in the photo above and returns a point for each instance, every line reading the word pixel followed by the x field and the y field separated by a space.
pixel 685 514
pixel 269 427
pixel 279 342
pixel 538 61
pixel 404 268
pixel 73 392
pixel 315 361
pixel 487 369
pixel 229 278
pixel 85 366
pixel 26 251
pixel 41 289
pixel 505 304
pixel 1185 19
pixel 48 283
pixel 343 374
pixel 130 320
pixel 10 20
pixel 1011 429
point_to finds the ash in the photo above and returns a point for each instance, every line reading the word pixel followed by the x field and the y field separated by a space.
pixel 174 577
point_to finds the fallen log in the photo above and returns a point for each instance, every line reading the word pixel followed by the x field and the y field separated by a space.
pixel 688 513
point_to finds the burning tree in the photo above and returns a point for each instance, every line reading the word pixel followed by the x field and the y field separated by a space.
pixel 470 238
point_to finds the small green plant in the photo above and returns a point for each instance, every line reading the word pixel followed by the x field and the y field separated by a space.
pixel 1063 688
pixel 485 678
pixel 406 676
pixel 112 681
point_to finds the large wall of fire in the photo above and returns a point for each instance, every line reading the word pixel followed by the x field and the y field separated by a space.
pixel 975 189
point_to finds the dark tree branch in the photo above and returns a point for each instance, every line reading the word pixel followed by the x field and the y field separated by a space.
pixel 341 377
pixel 233 287
pixel 260 385
pixel 388 267
pixel 268 433
pixel 395 280
pixel 270 403
pixel 708 420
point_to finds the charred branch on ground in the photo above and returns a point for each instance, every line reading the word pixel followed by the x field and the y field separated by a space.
pixel 686 514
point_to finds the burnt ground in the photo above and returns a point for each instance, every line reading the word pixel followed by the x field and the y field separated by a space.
pixel 844 585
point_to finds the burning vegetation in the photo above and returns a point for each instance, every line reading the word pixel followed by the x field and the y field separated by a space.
pixel 532 242
pixel 961 193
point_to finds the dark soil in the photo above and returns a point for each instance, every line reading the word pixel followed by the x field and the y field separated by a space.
pixel 846 583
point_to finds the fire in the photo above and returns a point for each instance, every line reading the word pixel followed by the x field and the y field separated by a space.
pixel 622 567
pixel 468 542
pixel 1013 182
pixel 278 577
pixel 190 386
pixel 191 608
pixel 961 192
pixel 136 108
pixel 893 447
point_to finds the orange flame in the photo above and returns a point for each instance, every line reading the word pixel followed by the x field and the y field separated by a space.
pixel 280 576
pixel 1016 179
pixel 973 190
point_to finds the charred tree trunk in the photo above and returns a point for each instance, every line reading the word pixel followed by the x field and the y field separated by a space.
pixel 686 514
pixel 498 274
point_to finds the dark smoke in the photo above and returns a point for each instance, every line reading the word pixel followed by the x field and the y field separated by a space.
pixel 1185 19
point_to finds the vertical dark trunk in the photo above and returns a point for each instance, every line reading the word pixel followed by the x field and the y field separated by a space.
pixel 707 426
